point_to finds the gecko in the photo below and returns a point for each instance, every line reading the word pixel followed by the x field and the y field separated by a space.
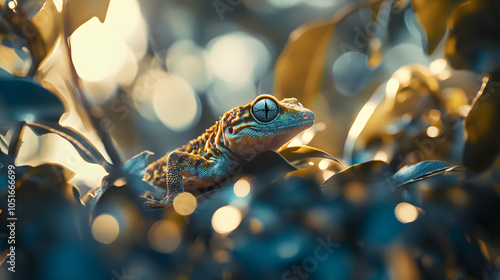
pixel 236 138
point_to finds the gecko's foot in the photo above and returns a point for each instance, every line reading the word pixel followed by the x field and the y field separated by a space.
pixel 155 203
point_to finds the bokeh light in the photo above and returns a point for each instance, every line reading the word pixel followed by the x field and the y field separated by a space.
pixel 105 228
pixel 184 204
pixel 323 164
pixel 238 57
pixel 164 236
pixel 432 131
pixel 115 45
pixel 349 72
pixel 224 96
pixel 226 219
pixel 287 250
pixel 176 104
pixel 93 44
pixel 241 187
pixel 406 213
pixel 190 62
pixel 144 87
pixel 307 136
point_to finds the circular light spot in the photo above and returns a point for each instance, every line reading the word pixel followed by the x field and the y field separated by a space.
pixel 226 219
pixel 221 256
pixel 164 236
pixel 308 134
pixel 96 53
pixel 105 229
pixel 432 131
pixel 241 188
pixel 256 225
pixel 237 57
pixel 176 104
pixel 287 250
pixel 435 115
pixel 355 192
pixel 320 126
pixel 190 62
pixel 406 213
pixel 185 203
pixel 12 4
pixel 143 89
pixel 350 72
pixel 323 164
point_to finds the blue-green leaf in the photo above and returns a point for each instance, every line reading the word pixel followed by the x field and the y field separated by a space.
pixel 21 99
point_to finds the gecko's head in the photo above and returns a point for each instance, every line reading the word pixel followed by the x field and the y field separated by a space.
pixel 265 124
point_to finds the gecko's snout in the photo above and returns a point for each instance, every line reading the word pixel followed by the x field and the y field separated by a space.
pixel 308 115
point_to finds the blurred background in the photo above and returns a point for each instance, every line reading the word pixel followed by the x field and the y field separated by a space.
pixel 390 83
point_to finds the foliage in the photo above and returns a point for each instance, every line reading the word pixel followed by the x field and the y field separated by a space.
pixel 418 198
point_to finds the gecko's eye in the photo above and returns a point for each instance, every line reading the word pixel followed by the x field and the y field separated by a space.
pixel 265 110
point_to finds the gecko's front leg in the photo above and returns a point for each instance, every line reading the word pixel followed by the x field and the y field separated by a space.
pixel 176 163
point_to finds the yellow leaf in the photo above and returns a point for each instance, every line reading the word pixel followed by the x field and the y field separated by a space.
pixel 305 152
pixel 300 66
pixel 77 12
pixel 433 16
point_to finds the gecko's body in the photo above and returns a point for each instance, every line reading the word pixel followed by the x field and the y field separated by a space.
pixel 236 138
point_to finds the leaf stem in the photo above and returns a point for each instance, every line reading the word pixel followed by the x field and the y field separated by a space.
pixel 17 134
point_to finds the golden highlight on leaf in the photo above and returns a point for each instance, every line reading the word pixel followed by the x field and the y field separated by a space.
pixel 305 152
pixel 300 66
pixel 433 16
pixel 481 126
pixel 80 11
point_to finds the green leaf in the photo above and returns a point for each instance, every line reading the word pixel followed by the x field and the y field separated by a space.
pixel 305 152
pixel 21 99
pixel 482 132
pixel 86 150
pixel 77 12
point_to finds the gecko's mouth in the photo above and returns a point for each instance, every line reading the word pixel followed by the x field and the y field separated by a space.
pixel 290 124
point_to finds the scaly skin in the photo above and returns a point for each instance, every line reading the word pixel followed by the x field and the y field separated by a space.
pixel 236 138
